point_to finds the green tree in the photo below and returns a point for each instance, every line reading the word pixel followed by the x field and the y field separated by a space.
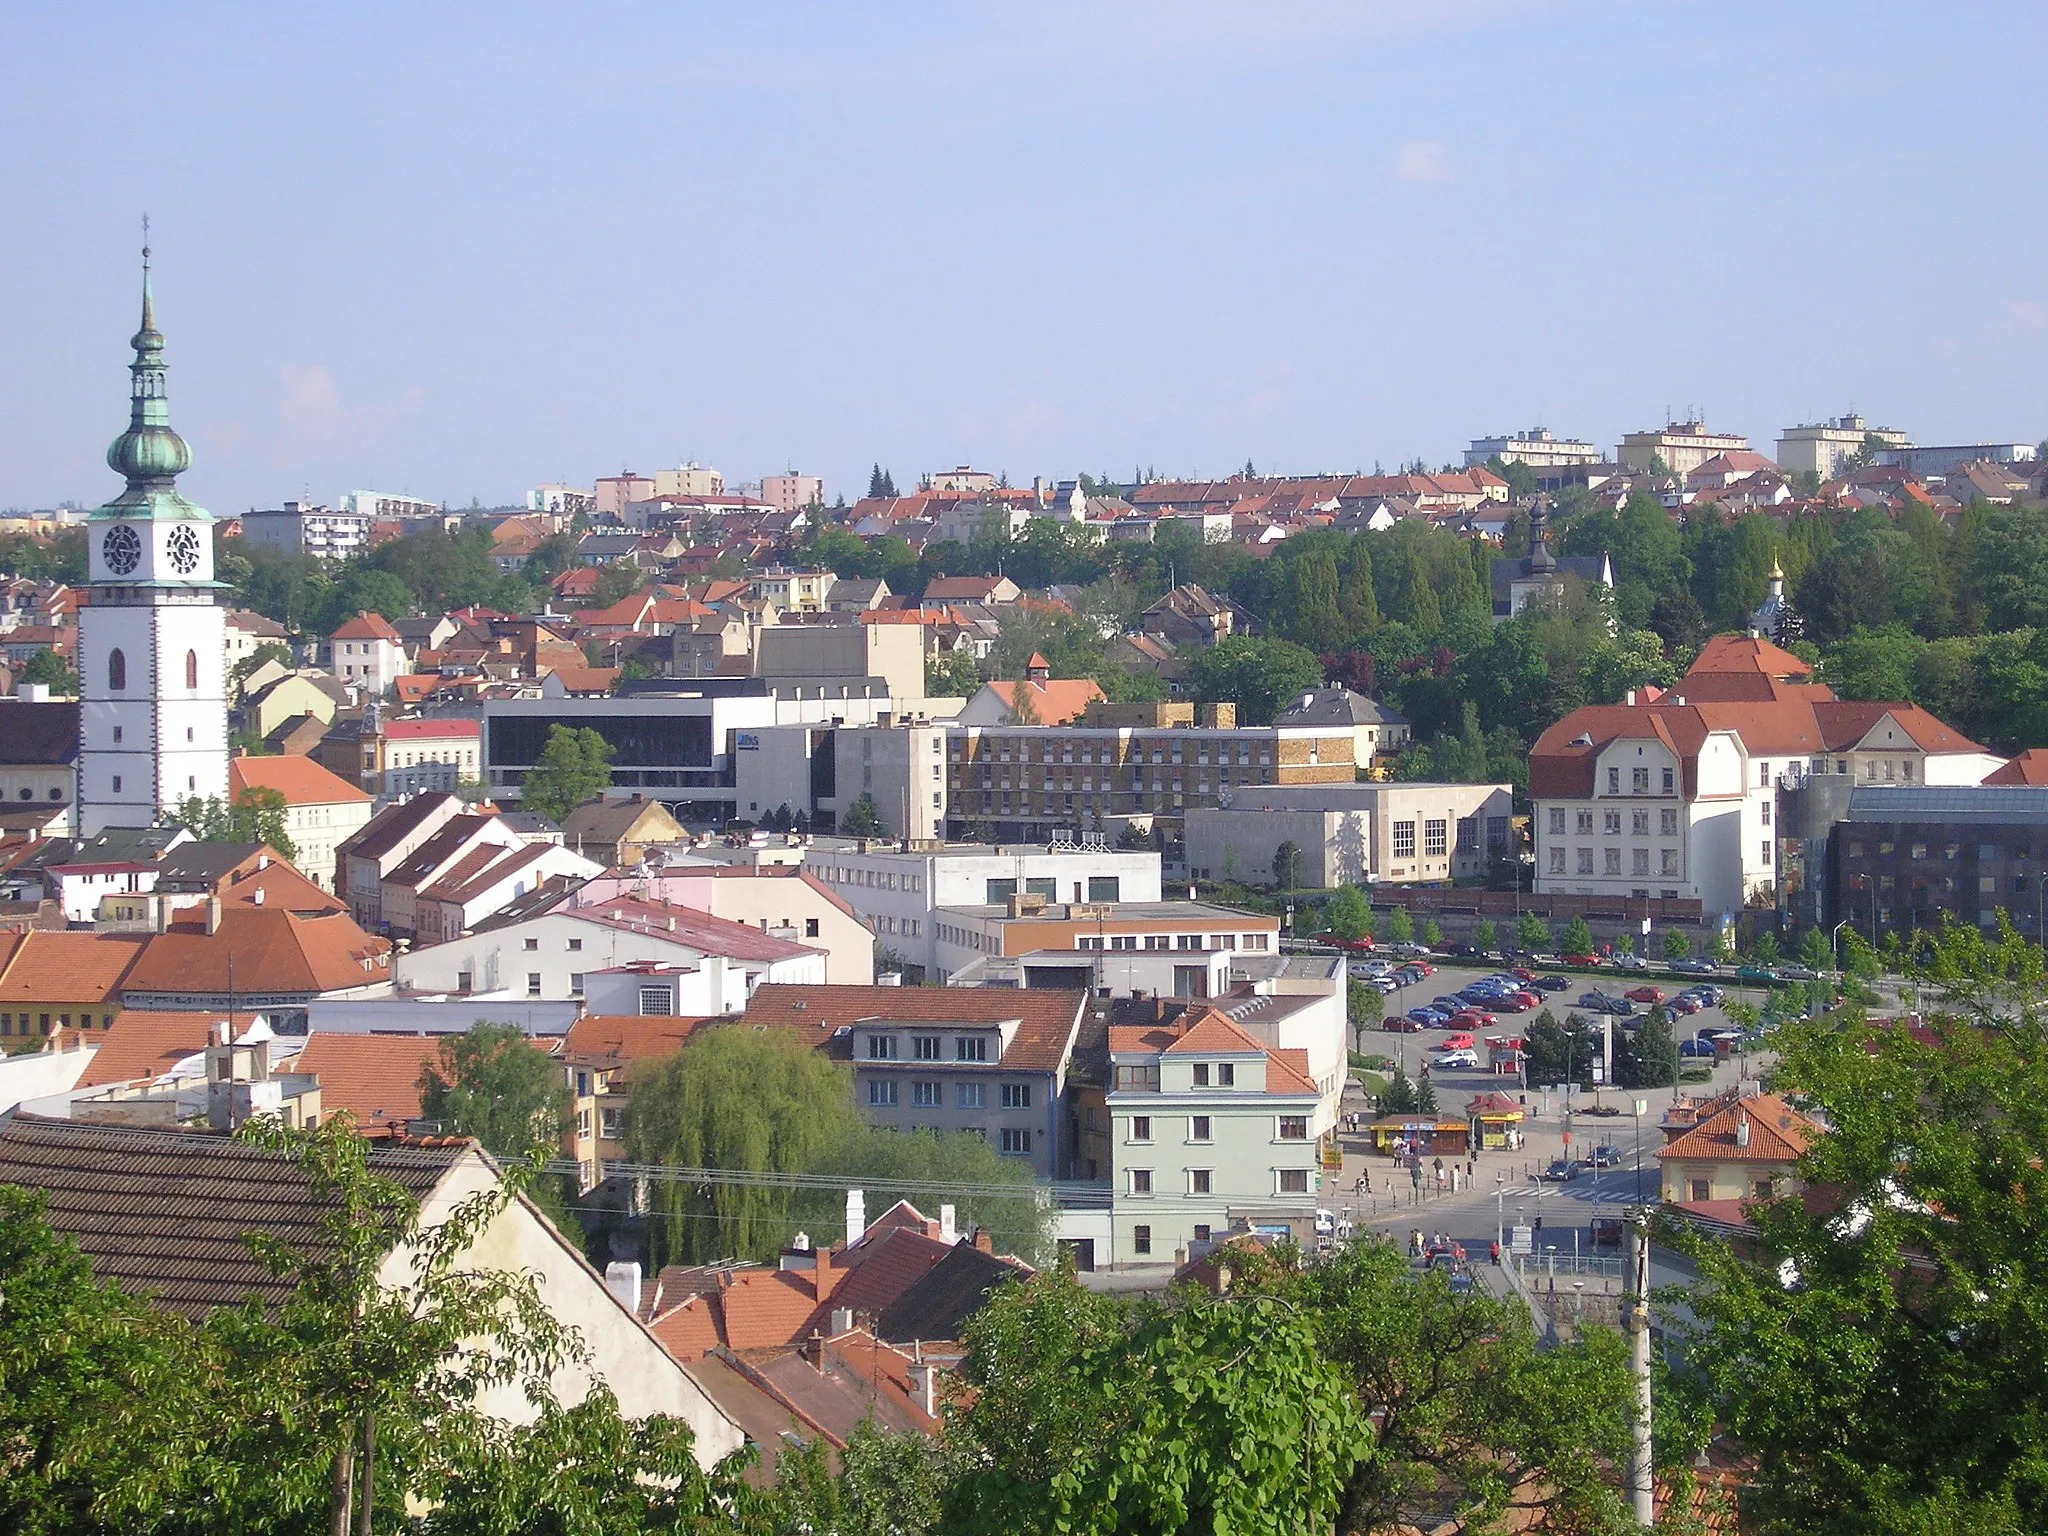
pixel 1815 952
pixel 1880 1354
pixel 1347 914
pixel 1287 865
pixel 1260 676
pixel 1367 1008
pixel 1432 933
pixel 263 655
pixel 1091 1414
pixel 575 765
pixel 1578 938
pixel 493 1083
pixel 1400 927
pixel 886 1485
pixel 48 668
pixel 1425 1095
pixel 1532 933
pixel 1485 936
pixel 1676 945
pixel 1398 1097
pixel 952 676
pixel 1647 1056
pixel 257 815
pixel 863 818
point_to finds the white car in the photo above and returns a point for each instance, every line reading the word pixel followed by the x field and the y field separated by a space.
pixel 1457 1059
pixel 1366 970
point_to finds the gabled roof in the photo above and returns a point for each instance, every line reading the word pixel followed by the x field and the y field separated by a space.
pixel 366 626
pixel 606 821
pixel 395 823
pixel 38 735
pixel 2030 767
pixel 686 927
pixel 938 1303
pixel 1748 653
pixel 166 1212
pixel 1210 1033
pixel 204 863
pixel 299 779
pixel 73 967
pixel 142 1043
pixel 630 1038
pixel 374 1077
pixel 1777 1133
pixel 271 951
pixel 1056 701
pixel 1338 706
pixel 1046 1019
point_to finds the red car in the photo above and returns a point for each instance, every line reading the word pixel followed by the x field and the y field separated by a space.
pixel 1423 966
pixel 1361 945
pixel 1651 995
pixel 1520 974
pixel 1581 959
pixel 1471 1018
pixel 1520 1002
pixel 1401 1024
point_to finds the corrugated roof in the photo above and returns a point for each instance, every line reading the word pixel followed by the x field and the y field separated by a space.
pixel 166 1212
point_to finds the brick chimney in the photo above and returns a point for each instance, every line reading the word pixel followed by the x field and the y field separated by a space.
pixel 814 1352
pixel 983 1241
pixel 824 1278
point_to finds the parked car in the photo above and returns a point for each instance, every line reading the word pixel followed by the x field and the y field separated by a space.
pixel 1428 1018
pixel 1466 1058
pixel 1551 983
pixel 1471 1018
pixel 1386 985
pixel 1715 1032
pixel 1591 960
pixel 1645 995
pixel 1600 1002
pixel 1696 1049
pixel 1400 1024
pixel 1761 973
pixel 1682 1004
pixel 1461 1283
pixel 1690 967
pixel 1797 973
pixel 1466 951
pixel 1709 996
pixel 1461 1041
pixel 1361 945
pixel 1454 1004
pixel 1630 963
pixel 1562 1170
pixel 1521 1002
pixel 1606 1156
pixel 1367 970
pixel 1422 965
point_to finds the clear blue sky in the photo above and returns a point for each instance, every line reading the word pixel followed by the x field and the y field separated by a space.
pixel 458 250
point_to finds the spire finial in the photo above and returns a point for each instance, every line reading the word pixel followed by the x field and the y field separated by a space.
pixel 148 299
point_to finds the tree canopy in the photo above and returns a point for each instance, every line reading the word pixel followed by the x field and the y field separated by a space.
pixel 575 765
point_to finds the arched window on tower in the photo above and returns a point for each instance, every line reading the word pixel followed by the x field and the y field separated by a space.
pixel 117 669
pixel 192 670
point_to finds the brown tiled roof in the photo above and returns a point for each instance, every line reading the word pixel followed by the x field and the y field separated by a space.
pixel 1046 1019
pixel 299 779
pixel 686 926
pixel 366 626
pixel 630 1038
pixel 1747 653
pixel 938 1302
pixel 376 1078
pixel 145 1044
pixel 1778 1133
pixel 165 1212
pixel 1213 1033
pixel 1054 702
pixel 2030 767
pixel 270 950
pixel 72 967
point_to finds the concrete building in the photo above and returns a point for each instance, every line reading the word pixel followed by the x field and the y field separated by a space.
pixel 1207 1127
pixel 301 528
pixel 792 492
pixel 1536 448
pixel 1680 447
pixel 840 648
pixel 1355 834
pixel 321 811
pixel 1376 731
pixel 1031 783
pixel 418 755
pixel 367 653
pixel 960 478
pixel 785 901
pixel 1906 859
pixel 389 506
pixel 1159 949
pixel 902 768
pixel 896 891
pixel 562 500
pixel 1937 460
pixel 792 591
pixel 1821 447
pixel 687 481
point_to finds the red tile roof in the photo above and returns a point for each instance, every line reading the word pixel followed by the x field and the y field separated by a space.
pixel 1748 653
pixel 366 626
pixel 1047 1019
pixel 299 779
pixel 1778 1133
pixel 141 1043
pixel 270 951
pixel 2030 767
pixel 1287 1071
pixel 374 1077
pixel 422 730
pixel 630 1038
pixel 1053 702
pixel 51 967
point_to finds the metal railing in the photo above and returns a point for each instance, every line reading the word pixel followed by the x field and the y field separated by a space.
pixel 1550 1262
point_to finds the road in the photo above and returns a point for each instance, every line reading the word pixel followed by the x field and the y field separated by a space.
pixel 1505 1188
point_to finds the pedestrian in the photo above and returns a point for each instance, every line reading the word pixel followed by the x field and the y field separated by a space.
pixel 1438 1164
pixel 1358 1186
pixel 1471 1167
pixel 1493 1252
pixel 1365 1179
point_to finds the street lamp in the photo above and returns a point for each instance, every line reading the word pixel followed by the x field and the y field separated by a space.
pixel 1835 943
pixel 1640 1105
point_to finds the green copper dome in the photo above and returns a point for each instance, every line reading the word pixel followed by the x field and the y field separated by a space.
pixel 150 455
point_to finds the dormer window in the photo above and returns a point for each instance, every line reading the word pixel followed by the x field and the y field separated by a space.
pixel 1201 1074
pixel 970 1048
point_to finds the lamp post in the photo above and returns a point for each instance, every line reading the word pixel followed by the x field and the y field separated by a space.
pixel 1835 943
pixel 1639 1105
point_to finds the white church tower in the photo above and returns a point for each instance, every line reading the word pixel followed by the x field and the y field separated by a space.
pixel 152 638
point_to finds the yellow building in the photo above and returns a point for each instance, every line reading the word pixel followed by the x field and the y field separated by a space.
pixel 59 980
pixel 1748 1149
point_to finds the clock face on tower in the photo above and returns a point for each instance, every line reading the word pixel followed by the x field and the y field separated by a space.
pixel 121 549
pixel 183 545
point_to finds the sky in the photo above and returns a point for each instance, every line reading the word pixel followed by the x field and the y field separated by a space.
pixel 460 250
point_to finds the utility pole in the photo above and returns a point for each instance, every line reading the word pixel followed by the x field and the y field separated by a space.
pixel 1641 1485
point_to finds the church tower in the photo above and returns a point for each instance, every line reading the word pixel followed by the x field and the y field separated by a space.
pixel 152 638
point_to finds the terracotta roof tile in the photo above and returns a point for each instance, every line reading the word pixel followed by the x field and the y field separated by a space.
pixel 374 1077
pixel 1054 702
pixel 1287 1071
pixel 2030 767
pixel 299 779
pixel 366 626
pixel 1778 1133
pixel 141 1043
pixel 71 967
pixel 630 1038
pixel 270 951
pixel 1047 1020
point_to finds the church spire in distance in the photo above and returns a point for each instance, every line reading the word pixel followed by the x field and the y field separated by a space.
pixel 150 455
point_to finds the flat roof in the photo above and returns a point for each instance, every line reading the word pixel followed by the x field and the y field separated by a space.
pixel 1119 912
pixel 1982 803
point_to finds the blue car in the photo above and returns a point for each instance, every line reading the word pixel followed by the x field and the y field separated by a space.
pixel 1428 1018
pixel 1453 1004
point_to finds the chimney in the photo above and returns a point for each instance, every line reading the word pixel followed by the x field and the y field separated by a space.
pixel 948 1232
pixel 814 1352
pixel 983 1241
pixel 824 1278
pixel 257 899
pixel 212 916
pixel 842 1320
pixel 623 1281
pixel 1741 1129
pixel 856 1216
pixel 924 1388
